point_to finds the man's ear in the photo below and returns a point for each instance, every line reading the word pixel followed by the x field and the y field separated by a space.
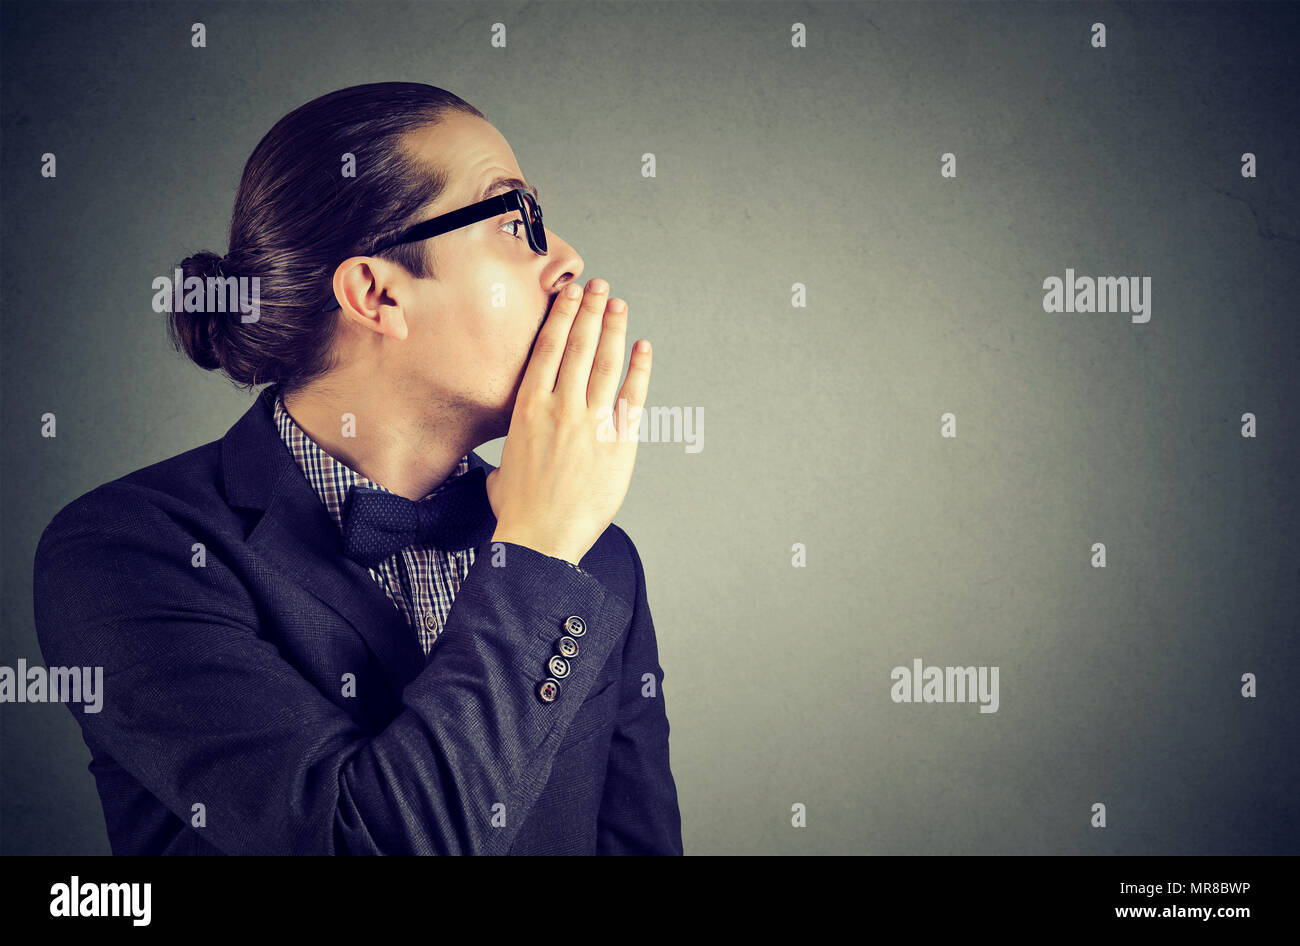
pixel 365 287
pixel 392 321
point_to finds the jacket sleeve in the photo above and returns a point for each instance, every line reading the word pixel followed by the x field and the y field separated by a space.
pixel 638 811
pixel 200 709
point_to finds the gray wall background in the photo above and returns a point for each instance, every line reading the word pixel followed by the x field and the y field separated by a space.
pixel 822 424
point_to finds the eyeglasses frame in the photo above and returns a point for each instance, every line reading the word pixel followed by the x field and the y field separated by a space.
pixel 511 201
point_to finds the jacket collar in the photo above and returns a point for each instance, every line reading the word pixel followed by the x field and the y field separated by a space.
pixel 297 536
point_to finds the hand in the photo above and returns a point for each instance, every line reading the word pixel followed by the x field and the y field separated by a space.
pixel 566 465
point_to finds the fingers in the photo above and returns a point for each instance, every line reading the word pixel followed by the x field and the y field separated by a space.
pixel 575 366
pixel 607 367
pixel 634 391
pixel 548 349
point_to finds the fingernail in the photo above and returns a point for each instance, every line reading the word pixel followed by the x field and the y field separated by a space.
pixel 597 285
pixel 573 290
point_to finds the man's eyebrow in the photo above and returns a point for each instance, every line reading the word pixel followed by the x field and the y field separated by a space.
pixel 503 184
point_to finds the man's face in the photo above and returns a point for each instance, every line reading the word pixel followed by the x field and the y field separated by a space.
pixel 462 351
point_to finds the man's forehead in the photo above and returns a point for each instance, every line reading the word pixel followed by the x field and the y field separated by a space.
pixel 474 156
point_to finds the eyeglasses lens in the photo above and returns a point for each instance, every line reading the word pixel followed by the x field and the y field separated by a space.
pixel 536 229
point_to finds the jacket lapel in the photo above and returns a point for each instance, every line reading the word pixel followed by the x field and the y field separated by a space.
pixel 298 538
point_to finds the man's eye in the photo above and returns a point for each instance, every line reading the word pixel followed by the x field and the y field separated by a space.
pixel 518 222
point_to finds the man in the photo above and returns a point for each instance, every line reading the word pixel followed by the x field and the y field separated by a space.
pixel 285 669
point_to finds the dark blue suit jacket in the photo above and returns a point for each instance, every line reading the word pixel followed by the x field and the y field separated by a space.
pixel 225 726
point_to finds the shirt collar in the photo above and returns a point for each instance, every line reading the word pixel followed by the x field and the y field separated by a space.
pixel 331 478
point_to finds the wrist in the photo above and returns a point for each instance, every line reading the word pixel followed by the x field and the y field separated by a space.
pixel 537 545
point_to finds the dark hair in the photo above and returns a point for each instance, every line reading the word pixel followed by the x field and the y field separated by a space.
pixel 296 217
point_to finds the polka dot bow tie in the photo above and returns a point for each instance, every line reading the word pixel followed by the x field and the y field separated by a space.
pixel 379 524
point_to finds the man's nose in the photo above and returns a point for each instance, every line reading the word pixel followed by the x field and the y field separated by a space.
pixel 564 265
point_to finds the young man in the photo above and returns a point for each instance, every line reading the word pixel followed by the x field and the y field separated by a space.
pixel 285 670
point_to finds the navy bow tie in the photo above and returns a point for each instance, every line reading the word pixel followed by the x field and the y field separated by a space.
pixel 378 524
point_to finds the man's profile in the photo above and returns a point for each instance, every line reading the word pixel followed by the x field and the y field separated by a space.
pixel 337 629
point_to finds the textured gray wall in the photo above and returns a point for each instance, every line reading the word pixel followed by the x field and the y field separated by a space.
pixel 779 165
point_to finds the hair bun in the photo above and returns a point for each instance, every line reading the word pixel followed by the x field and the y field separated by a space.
pixel 203 265
pixel 201 333
pixel 216 266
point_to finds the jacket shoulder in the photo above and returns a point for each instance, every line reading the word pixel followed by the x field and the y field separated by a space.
pixel 194 475
pixel 186 486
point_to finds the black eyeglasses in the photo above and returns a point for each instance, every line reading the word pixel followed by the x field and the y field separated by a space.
pixel 518 200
